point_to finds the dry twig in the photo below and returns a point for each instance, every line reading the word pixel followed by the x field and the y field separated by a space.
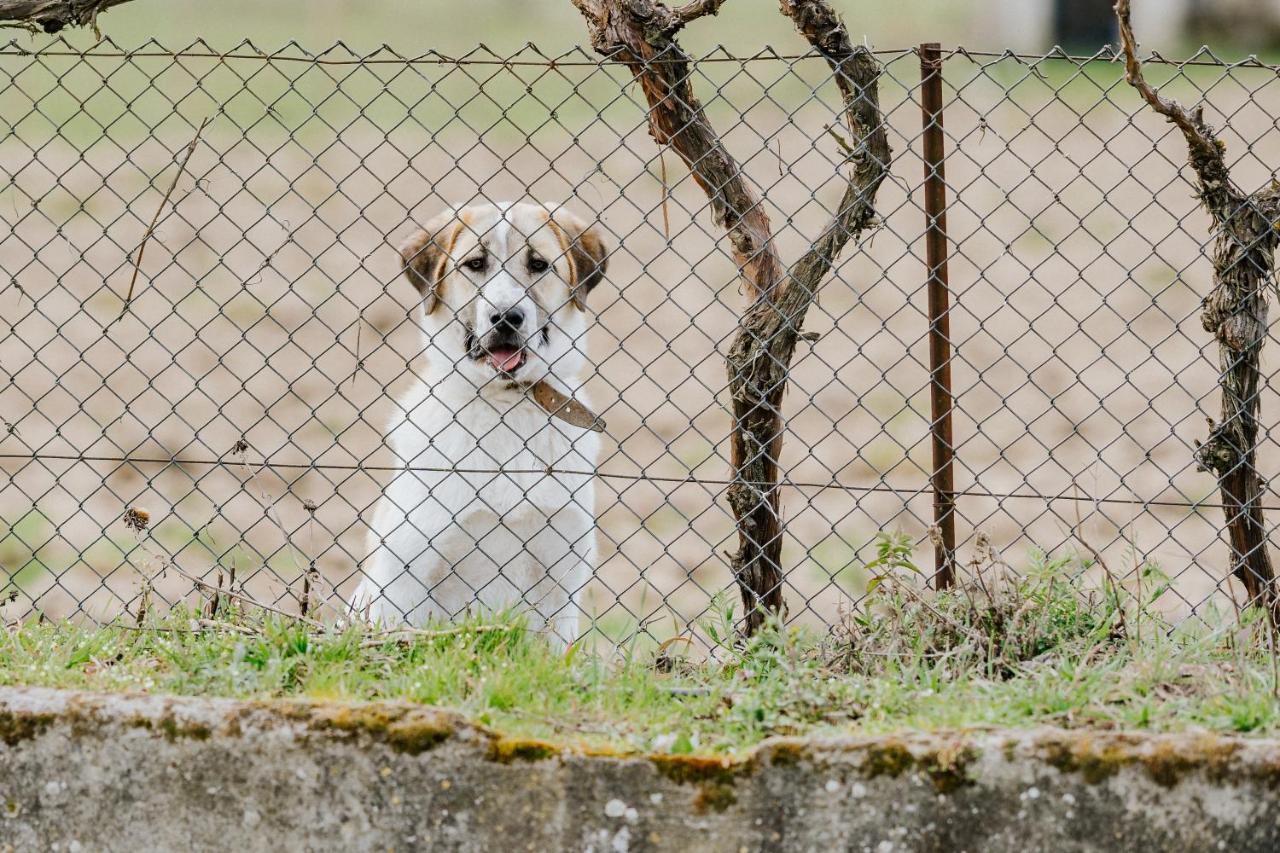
pixel 252 602
pixel 142 247
pixel 1120 629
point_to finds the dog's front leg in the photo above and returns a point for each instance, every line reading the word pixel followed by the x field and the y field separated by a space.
pixel 405 563
pixel 564 624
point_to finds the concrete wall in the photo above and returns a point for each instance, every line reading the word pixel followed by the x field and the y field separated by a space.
pixel 85 772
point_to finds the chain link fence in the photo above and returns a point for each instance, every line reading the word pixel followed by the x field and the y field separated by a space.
pixel 231 420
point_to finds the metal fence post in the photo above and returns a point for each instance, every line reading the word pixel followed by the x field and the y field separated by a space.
pixel 935 206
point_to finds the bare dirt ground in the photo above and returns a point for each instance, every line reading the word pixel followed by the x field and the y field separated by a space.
pixel 270 311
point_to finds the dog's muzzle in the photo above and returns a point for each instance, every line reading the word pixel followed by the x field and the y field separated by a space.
pixel 503 348
pixel 506 352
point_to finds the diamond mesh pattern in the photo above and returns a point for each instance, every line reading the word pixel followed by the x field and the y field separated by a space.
pixel 242 398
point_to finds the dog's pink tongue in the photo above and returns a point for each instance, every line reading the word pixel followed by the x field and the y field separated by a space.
pixel 505 360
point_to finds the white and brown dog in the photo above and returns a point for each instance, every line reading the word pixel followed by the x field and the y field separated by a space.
pixel 483 518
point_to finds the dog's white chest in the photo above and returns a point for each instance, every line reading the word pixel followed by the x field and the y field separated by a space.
pixel 497 460
pixel 495 510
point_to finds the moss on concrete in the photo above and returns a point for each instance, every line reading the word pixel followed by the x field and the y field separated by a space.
pixel 1094 764
pixel 889 757
pixel 1165 762
pixel 175 730
pixel 787 753
pixel 714 778
pixel 408 730
pixel 948 768
pixel 17 726
pixel 714 796
pixel 84 718
pixel 507 750
pixel 697 769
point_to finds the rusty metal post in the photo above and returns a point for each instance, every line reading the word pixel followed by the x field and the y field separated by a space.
pixel 935 207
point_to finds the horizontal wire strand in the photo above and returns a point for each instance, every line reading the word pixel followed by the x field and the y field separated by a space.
pixel 923 490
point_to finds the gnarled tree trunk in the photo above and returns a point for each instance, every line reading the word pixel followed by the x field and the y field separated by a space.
pixel 641 34
pixel 1235 312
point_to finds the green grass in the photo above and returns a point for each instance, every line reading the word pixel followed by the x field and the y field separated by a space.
pixel 998 653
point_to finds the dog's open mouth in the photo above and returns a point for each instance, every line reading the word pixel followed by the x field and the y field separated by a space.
pixel 505 359
pixel 504 353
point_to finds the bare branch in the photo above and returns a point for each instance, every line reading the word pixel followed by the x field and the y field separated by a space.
pixel 697 9
pixel 856 73
pixel 1206 150
pixel 637 34
pixel 53 15
pixel 1133 75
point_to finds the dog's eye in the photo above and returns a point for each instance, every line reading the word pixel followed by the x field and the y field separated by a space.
pixel 537 264
pixel 475 264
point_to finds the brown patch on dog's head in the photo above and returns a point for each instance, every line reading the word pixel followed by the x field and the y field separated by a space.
pixel 585 247
pixel 425 255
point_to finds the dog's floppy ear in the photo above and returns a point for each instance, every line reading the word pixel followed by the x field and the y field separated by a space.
pixel 588 254
pixel 426 254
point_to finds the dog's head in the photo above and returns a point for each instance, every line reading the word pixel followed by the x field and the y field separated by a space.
pixel 504 289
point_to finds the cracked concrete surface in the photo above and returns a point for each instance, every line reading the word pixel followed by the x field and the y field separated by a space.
pixel 124 772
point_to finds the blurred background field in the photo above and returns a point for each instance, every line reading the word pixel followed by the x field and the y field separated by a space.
pixel 270 309
pixel 1235 27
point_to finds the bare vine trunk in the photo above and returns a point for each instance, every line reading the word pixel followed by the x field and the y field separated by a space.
pixel 1235 312
pixel 641 35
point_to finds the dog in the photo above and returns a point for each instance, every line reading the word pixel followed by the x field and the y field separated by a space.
pixel 484 517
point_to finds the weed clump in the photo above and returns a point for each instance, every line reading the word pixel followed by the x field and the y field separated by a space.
pixel 993 623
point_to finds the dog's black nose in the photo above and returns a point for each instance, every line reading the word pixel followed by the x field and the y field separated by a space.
pixel 509 320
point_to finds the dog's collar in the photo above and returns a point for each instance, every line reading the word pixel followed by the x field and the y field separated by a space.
pixel 560 405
